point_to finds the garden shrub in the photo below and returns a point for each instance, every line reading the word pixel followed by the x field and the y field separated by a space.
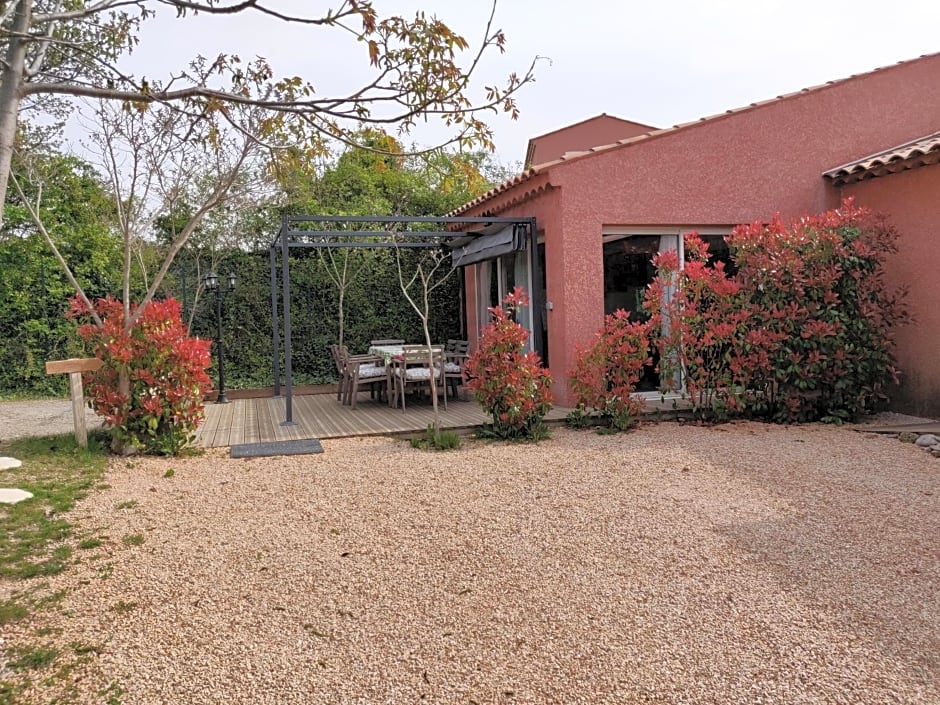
pixel 510 383
pixel 709 333
pixel 801 332
pixel 819 284
pixel 607 371
pixel 150 388
pixel 436 440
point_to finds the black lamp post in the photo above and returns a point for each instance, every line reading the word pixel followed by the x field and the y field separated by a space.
pixel 213 284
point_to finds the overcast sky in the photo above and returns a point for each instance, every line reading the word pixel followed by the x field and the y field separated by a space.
pixel 658 63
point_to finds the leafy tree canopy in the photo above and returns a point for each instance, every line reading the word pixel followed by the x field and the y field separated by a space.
pixel 54 50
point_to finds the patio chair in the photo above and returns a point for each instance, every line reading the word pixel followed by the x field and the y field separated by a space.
pixel 361 371
pixel 455 357
pixel 413 369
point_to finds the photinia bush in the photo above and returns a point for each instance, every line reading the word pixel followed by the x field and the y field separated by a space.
pixel 819 284
pixel 150 388
pixel 510 384
pixel 802 332
pixel 709 333
pixel 607 371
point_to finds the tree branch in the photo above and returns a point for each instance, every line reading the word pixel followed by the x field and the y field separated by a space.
pixel 33 213
pixel 217 195
pixel 97 8
pixel 346 9
pixel 36 65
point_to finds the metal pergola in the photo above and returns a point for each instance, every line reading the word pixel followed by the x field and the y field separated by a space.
pixel 470 239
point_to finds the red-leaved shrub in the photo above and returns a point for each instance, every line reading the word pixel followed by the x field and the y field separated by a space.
pixel 802 331
pixel 150 388
pixel 510 383
pixel 607 371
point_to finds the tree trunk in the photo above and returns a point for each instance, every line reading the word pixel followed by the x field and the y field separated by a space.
pixel 433 380
pixel 11 80
pixel 342 321
pixel 124 389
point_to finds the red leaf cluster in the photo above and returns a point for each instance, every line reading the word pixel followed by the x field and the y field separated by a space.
pixel 607 371
pixel 802 331
pixel 150 388
pixel 510 383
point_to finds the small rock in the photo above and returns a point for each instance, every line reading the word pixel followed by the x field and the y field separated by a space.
pixel 9 463
pixel 935 453
pixel 927 440
pixel 908 437
pixel 11 495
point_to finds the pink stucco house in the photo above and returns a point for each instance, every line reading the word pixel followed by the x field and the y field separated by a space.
pixel 602 211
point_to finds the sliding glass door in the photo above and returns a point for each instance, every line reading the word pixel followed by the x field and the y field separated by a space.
pixel 498 277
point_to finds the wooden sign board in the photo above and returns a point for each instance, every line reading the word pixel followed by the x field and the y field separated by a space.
pixel 73 364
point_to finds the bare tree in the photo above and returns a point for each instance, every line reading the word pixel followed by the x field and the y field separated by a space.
pixel 154 160
pixel 61 49
pixel 430 272
pixel 342 273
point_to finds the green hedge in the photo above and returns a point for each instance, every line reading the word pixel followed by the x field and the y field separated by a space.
pixel 375 308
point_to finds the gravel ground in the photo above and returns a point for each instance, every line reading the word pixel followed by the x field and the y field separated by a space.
pixel 737 564
pixel 40 417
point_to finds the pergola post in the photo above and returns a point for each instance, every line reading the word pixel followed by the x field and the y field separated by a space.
pixel 275 332
pixel 288 362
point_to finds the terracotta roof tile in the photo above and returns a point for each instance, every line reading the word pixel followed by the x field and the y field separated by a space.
pixel 539 168
pixel 919 152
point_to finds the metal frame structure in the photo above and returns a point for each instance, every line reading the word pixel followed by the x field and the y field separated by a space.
pixel 334 231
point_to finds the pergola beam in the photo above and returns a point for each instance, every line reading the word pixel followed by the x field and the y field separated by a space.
pixel 364 234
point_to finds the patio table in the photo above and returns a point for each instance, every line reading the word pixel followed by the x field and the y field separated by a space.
pixel 386 351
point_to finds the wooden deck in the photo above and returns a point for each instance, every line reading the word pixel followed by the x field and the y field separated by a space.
pixel 321 416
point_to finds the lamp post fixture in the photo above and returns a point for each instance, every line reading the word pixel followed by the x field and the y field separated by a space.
pixel 214 285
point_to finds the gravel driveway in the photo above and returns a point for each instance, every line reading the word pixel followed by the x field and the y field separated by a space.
pixel 40 417
pixel 738 564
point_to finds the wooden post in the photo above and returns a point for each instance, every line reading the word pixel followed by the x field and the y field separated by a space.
pixel 74 367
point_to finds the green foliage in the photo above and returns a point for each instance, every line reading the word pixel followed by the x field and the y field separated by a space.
pixel 23 658
pixel 358 182
pixel 58 473
pixel 12 611
pixel 34 292
pixel 441 440
pixel 581 417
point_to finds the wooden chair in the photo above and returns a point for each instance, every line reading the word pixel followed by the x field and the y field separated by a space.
pixel 361 371
pixel 456 353
pixel 414 369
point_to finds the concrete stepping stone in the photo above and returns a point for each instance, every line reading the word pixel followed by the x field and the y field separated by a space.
pixel 11 495
pixel 9 463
